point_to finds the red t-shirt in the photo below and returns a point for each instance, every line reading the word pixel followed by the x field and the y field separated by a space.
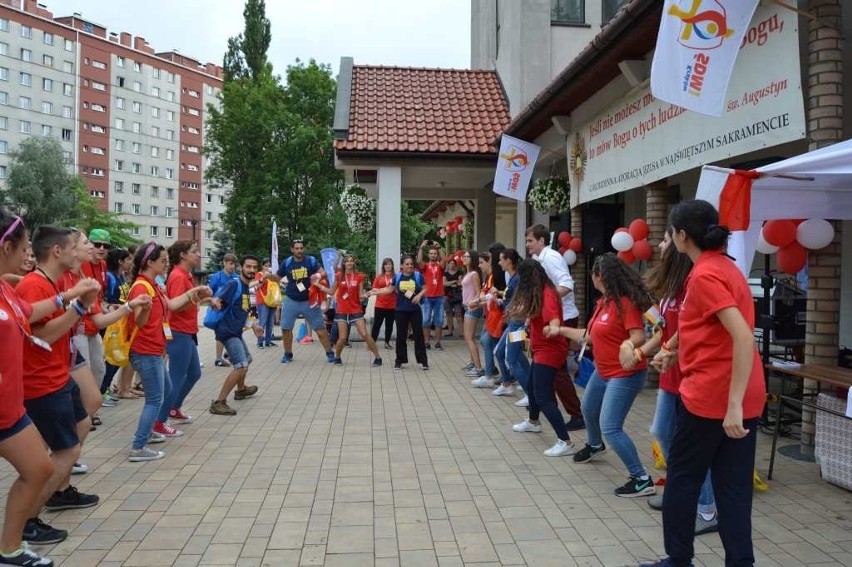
pixel 433 279
pixel 98 271
pixel 348 293
pixel 44 372
pixel 86 325
pixel 670 310
pixel 608 330
pixel 186 320
pixel 151 337
pixel 260 291
pixel 14 314
pixel 384 301
pixel 315 295
pixel 552 351
pixel 705 346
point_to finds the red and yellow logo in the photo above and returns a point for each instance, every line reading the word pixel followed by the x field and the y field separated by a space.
pixel 515 159
pixel 704 23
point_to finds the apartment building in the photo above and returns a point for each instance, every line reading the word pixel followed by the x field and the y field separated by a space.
pixel 130 119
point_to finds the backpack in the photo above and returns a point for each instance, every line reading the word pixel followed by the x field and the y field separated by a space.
pixel 116 340
pixel 312 263
pixel 212 317
pixel 272 298
pixel 417 276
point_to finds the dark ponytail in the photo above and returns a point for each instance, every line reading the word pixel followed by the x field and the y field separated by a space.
pixel 145 254
pixel 700 221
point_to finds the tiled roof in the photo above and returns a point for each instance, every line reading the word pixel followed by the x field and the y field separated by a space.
pixel 396 109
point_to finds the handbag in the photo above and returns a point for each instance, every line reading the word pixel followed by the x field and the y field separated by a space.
pixel 585 369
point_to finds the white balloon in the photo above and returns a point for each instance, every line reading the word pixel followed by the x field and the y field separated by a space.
pixel 622 241
pixel 814 234
pixel 570 257
pixel 764 247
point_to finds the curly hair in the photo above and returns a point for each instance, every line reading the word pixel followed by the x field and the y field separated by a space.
pixel 529 295
pixel 621 281
pixel 666 280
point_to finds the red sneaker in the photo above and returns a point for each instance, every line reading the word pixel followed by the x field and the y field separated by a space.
pixel 166 430
pixel 177 416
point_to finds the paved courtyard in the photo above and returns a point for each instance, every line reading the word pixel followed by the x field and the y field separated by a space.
pixel 356 466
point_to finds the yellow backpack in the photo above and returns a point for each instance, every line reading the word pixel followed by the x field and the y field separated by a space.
pixel 272 298
pixel 116 340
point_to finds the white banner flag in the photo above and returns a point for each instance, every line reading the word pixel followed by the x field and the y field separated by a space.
pixel 273 258
pixel 515 166
pixel 697 46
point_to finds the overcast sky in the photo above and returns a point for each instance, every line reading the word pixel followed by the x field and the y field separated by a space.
pixel 376 32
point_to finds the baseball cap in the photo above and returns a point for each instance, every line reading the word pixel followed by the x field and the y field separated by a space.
pixel 99 235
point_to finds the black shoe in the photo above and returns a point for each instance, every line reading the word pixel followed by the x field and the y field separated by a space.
pixel 588 452
pixel 428 346
pixel 70 499
pixel 338 361
pixel 576 424
pixel 636 487
pixel 377 362
pixel 397 366
pixel 439 346
pixel 37 532
pixel 25 557
pixel 424 367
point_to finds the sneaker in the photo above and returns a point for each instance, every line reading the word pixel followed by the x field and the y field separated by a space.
pixel 287 358
pixel 504 391
pixel 144 454
pixel 703 526
pixel 588 453
pixel 636 487
pixel 79 468
pixel 329 356
pixel 377 362
pixel 70 499
pixel 467 366
pixel 166 430
pixel 347 344
pixel 523 402
pixel 37 532
pixel 424 367
pixel 109 401
pixel 476 373
pixel 388 346
pixel 260 346
pixel 397 366
pixel 337 361
pixel 527 427
pixel 482 382
pixel 656 502
pixel 178 417
pixel 560 449
pixel 220 407
pixel 439 346
pixel 428 346
pixel 25 557
pixel 575 424
pixel 270 344
pixel 246 392
pixel 306 340
pixel 156 438
pixel 222 362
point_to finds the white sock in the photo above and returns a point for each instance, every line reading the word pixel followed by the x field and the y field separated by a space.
pixel 707 516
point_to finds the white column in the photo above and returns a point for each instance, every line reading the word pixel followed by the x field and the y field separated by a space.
pixel 388 213
pixel 520 227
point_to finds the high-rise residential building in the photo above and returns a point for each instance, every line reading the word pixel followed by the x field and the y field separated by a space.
pixel 130 119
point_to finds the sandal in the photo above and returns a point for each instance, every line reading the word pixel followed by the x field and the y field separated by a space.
pixel 96 421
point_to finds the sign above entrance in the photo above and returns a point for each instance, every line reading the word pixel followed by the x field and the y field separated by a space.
pixel 515 166
pixel 641 139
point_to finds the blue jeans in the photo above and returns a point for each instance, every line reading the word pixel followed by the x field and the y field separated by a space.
pixel 155 379
pixel 542 399
pixel 516 359
pixel 488 343
pixel 605 407
pixel 184 371
pixel 266 319
pixel 663 429
pixel 433 311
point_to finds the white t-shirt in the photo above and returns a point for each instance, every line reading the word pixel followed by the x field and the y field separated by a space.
pixel 560 276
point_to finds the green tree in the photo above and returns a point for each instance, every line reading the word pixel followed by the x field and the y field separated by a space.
pixel 224 244
pixel 39 187
pixel 87 214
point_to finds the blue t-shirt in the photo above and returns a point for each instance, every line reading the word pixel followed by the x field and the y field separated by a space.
pixel 511 286
pixel 117 289
pixel 234 313
pixel 298 272
pixel 405 284
pixel 220 278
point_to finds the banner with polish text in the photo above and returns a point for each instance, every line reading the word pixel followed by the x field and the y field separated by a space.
pixel 515 165
pixel 697 46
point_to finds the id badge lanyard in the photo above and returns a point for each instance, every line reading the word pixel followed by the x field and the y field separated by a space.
pixel 23 323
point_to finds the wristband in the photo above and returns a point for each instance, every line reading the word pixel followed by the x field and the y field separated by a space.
pixel 127 306
pixel 639 354
pixel 78 308
pixel 667 347
pixel 59 300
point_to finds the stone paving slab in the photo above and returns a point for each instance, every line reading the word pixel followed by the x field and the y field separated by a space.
pixel 357 465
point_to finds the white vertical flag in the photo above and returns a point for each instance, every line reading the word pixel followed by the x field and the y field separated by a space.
pixel 273 258
pixel 697 47
pixel 515 165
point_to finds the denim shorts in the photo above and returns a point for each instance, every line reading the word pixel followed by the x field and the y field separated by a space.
pixel 348 318
pixel 16 428
pixel 472 313
pixel 291 309
pixel 238 352
pixel 57 414
pixel 433 310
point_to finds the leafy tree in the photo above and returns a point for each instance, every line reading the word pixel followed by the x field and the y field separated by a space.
pixel 86 215
pixel 224 244
pixel 39 187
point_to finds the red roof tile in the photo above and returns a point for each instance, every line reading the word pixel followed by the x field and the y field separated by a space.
pixel 398 109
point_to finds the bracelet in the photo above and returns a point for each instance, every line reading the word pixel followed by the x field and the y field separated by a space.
pixel 189 297
pixel 639 354
pixel 667 347
pixel 78 307
pixel 59 300
pixel 127 306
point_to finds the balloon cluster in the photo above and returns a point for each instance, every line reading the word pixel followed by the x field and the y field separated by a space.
pixel 792 239
pixel 569 247
pixel 457 257
pixel 454 226
pixel 632 242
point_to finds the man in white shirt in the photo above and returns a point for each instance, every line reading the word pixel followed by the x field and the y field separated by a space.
pixel 538 245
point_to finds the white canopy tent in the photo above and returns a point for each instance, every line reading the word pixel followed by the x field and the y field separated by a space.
pixel 817 184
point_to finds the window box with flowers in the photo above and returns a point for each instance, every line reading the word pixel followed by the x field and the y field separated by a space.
pixel 550 195
pixel 359 208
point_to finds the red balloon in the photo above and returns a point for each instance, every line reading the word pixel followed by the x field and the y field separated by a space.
pixel 622 229
pixel 779 232
pixel 459 252
pixel 642 250
pixel 792 258
pixel 563 249
pixel 639 229
pixel 576 245
pixel 627 256
pixel 564 238
pixel 459 219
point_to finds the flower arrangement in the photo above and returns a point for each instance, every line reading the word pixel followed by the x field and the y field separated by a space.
pixel 550 194
pixel 360 209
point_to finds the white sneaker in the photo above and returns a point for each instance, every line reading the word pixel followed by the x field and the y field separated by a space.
pixel 523 402
pixel 526 427
pixel 144 454
pixel 482 382
pixel 467 366
pixel 504 391
pixel 560 449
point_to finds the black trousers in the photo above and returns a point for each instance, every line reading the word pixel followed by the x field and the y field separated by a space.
pixel 700 444
pixel 404 320
pixel 385 316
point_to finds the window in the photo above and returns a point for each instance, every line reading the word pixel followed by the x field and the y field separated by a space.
pixel 155 192
pixel 136 189
pixel 68 66
pixel 192 130
pixel 155 131
pixel 67 112
pixel 46 130
pixel 98 129
pixel 155 112
pixel 192 93
pixel 4 48
pixel 97 172
pixel 66 134
pixel 170 232
pixel 47 60
pixel 26 127
pixel 26 31
pixel 208 89
pixel 4 123
pixel 120 81
pixel 47 85
pixel 119 123
pixel 155 151
pixel 119 186
pixel 118 207
pixel 170 211
pixel 208 234
pixel 4 24
pixel 568 11
pixel 98 107
pixel 46 107
pixel 154 231
pixel 137 107
pixel 137 86
pixel 26 55
pixel 155 91
pixel 98 194
pixel 194 111
pixel 170 173
pixel 119 61
pixel 221 199
pixel 156 73
pixel 24 102
pixel 67 89
pixel 170 193
pixel 119 102
pixel 170 135
pixel 170 96
pixel 610 8
pixel 98 151
pixel 119 145
pixel 137 127
pixel 98 64
pixel 137 66
pixel 98 86
pixel 208 216
pixel 170 154
pixel 4 97
pixel 2 146
pixel 155 171
pixel 170 115
pixel 170 77
pixel 26 79
pixel 48 38
pixel 69 45
pixel 192 185
pixel 155 210
pixel 119 165
pixel 3 167
pixel 136 147
pixel 137 168
pixel 209 197
pixel 193 149
pixel 4 74
pixel 136 208
pixel 135 231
